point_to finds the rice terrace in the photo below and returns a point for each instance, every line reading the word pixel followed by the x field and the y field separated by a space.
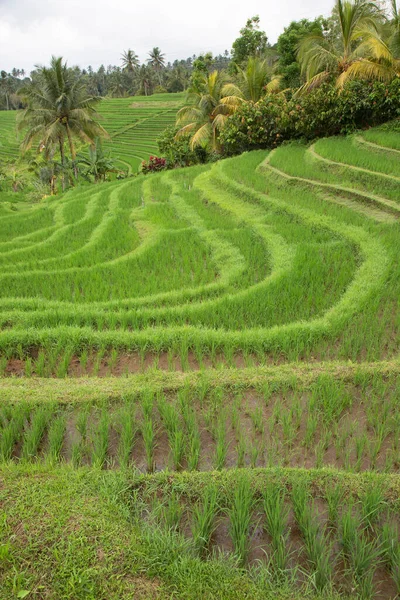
pixel 199 326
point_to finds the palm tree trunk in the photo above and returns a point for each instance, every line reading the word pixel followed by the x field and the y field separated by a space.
pixel 62 154
pixel 72 150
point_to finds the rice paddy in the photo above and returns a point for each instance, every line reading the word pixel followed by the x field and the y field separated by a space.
pixel 216 350
pixel 135 123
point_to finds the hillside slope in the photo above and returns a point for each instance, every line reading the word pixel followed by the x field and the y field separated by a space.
pixel 211 355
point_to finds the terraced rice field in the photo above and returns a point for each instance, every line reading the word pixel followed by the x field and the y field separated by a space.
pixel 9 145
pixel 134 125
pixel 207 359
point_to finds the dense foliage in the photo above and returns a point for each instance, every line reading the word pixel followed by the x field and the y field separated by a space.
pixel 288 67
pixel 322 112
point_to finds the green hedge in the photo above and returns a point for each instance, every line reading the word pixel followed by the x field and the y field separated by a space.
pixel 322 112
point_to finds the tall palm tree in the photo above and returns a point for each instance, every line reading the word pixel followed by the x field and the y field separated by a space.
pixel 145 79
pixel 204 115
pixel 157 61
pixel 130 60
pixel 251 83
pixel 59 111
pixel 6 87
pixel 359 52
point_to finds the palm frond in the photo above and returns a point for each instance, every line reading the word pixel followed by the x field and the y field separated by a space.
pixel 203 136
pixel 313 83
pixel 366 69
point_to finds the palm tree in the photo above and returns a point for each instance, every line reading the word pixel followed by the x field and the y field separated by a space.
pixel 59 110
pixel 145 79
pixel 204 115
pixel 6 87
pixel 130 60
pixel 251 86
pixel 359 52
pixel 157 61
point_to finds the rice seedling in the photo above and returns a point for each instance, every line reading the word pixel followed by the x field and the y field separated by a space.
pixel 113 359
pixel 62 369
pixel 361 443
pixel 221 448
pixel 362 555
pixel 82 422
pixel 390 542
pixel 128 428
pixel 28 367
pixel 171 511
pixel 77 454
pixel 241 451
pixel 193 450
pixel 39 420
pixel 100 440
pixel 12 431
pixel 254 454
pixel 173 426
pixel 149 439
pixel 55 438
pixel 40 364
pixel 257 418
pixel 204 515
pixel 276 523
pixel 83 359
pixel 240 515
pixel 334 498
pixel 372 505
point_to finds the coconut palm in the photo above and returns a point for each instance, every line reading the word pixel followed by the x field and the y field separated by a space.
pixel 204 115
pixel 251 84
pixel 130 60
pixel 359 52
pixel 157 61
pixel 145 79
pixel 59 111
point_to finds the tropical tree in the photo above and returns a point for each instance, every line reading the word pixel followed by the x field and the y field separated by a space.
pixel 251 82
pixel 251 42
pixel 204 115
pixel 157 61
pixel 359 52
pixel 130 60
pixel 144 79
pixel 6 88
pixel 178 78
pixel 59 111
pixel 96 164
pixel 287 66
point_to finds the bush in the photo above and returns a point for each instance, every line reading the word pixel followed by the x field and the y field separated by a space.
pixel 322 112
pixel 159 89
pixel 178 151
pixel 154 164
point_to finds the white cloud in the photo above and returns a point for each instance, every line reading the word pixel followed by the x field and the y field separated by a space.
pixel 95 31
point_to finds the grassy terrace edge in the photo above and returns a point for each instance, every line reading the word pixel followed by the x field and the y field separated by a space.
pixel 82 539
pixel 75 390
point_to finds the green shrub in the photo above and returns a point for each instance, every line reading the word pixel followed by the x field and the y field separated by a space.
pixel 322 112
pixel 178 152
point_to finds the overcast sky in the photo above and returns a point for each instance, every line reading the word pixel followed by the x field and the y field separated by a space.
pixel 95 32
